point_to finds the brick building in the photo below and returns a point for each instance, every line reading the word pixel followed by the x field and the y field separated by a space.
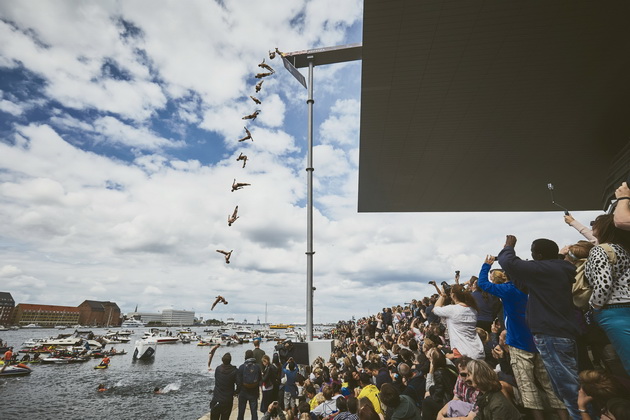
pixel 44 315
pixel 99 313
pixel 6 307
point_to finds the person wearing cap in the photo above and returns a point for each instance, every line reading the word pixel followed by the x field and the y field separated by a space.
pixel 224 389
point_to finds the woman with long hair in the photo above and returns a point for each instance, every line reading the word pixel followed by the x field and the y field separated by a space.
pixel 440 383
pixel 491 403
pixel 461 321
pixel 608 272
pixel 269 383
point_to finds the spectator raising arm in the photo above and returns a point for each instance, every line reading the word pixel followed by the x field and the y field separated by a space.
pixel 622 211
pixel 584 231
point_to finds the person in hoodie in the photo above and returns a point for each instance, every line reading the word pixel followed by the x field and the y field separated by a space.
pixel 399 407
pixel 550 312
pixel 224 387
pixel 248 378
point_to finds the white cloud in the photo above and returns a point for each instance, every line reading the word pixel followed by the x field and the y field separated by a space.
pixel 10 107
pixel 8 271
pixel 115 131
pixel 341 127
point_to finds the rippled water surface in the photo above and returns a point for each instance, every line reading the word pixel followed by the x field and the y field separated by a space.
pixel 70 391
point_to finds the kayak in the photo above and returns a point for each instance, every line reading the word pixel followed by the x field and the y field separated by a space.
pixel 100 367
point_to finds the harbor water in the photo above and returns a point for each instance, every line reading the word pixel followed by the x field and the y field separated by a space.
pixel 70 391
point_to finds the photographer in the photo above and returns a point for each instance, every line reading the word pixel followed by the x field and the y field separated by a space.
pixel 461 321
pixel 273 412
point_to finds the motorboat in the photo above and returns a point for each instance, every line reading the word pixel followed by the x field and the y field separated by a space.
pixel 16 370
pixel 271 335
pixel 62 340
pixel 145 349
pixel 295 334
pixel 60 327
pixel 113 337
pixel 132 323
pixel 62 360
pixel 31 326
pixel 244 332
pixel 159 338
pixel 3 328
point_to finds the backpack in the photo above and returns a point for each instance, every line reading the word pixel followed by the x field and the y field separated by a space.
pixel 251 375
pixel 581 288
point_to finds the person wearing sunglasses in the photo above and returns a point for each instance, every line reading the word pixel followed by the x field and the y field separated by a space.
pixel 491 403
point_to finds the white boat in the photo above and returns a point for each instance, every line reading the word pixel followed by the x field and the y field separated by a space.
pixel 244 332
pixel 3 328
pixel 145 349
pixel 132 323
pixel 31 326
pixel 64 360
pixel 113 337
pixel 63 341
pixel 60 327
pixel 159 338
pixel 125 333
pixel 295 334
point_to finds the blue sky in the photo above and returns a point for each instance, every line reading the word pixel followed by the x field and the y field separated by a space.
pixel 119 124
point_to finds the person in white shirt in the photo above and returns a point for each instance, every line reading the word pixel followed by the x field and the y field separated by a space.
pixel 461 321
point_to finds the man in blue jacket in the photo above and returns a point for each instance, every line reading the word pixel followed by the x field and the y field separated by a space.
pixel 550 312
pixel 524 358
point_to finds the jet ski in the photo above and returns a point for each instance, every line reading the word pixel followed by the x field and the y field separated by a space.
pixel 16 370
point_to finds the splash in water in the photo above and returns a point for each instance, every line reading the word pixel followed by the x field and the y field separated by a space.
pixel 171 387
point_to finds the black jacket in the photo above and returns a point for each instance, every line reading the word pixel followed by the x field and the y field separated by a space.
pixel 442 391
pixel 270 376
pixel 224 383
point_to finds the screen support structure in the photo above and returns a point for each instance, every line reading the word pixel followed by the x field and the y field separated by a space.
pixel 309 58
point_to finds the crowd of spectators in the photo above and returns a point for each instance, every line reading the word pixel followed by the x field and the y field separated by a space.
pixel 540 338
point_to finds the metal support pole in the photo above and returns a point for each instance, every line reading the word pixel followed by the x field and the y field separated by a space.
pixel 309 208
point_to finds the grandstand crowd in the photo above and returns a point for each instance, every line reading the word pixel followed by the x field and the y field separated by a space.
pixel 545 336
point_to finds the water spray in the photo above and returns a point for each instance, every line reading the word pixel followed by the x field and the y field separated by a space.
pixel 550 187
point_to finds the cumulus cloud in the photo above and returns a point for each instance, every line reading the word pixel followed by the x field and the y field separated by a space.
pixel 9 271
pixel 115 131
pixel 10 107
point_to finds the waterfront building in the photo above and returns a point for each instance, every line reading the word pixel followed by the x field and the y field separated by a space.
pixel 99 313
pixel 178 317
pixel 44 315
pixel 6 307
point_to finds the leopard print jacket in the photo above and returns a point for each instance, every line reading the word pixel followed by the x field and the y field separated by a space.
pixel 610 282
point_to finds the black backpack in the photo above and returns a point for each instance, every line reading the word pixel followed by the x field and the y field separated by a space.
pixel 251 375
